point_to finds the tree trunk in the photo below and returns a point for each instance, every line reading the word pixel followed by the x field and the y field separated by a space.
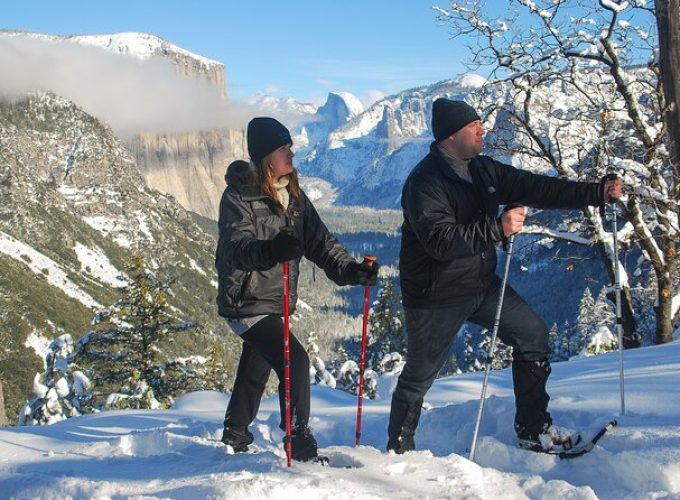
pixel 631 338
pixel 3 415
pixel 664 319
pixel 668 26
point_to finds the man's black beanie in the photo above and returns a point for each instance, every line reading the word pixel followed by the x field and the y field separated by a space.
pixel 264 136
pixel 450 116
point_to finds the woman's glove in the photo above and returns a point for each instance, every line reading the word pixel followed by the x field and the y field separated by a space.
pixel 363 273
pixel 282 248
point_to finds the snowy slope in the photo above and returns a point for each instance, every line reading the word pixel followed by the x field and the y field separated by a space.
pixel 176 453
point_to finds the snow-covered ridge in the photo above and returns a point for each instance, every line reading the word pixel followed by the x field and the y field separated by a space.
pixel 140 45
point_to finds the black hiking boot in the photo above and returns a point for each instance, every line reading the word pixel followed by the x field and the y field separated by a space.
pixel 402 426
pixel 403 443
pixel 238 437
pixel 303 447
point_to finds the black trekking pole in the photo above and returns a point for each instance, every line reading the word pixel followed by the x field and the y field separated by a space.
pixel 492 347
pixel 617 289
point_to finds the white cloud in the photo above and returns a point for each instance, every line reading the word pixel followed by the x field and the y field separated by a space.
pixel 128 93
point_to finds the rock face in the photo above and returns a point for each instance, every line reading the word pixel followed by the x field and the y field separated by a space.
pixel 189 166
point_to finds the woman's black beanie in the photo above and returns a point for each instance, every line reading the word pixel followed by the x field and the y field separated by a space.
pixel 264 136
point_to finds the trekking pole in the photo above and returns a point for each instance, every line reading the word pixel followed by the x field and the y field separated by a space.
pixel 492 347
pixel 617 290
pixel 368 259
pixel 286 350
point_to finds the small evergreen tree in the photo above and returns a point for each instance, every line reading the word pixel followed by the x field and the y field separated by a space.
pixel 559 348
pixel 385 326
pixel 123 352
pixel 477 351
pixel 602 340
pixel 342 355
pixel 586 322
pixel 215 376
pixel 317 368
pixel 568 338
pixel 61 392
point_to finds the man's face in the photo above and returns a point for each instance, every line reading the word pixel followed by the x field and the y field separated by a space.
pixel 467 142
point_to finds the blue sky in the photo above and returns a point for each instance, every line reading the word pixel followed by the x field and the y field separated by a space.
pixel 301 49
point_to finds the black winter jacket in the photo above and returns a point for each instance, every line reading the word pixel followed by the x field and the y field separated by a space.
pixel 450 227
pixel 248 283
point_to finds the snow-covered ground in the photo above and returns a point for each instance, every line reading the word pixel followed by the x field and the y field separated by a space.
pixel 177 454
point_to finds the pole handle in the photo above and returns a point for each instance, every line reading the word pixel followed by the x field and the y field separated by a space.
pixel 370 259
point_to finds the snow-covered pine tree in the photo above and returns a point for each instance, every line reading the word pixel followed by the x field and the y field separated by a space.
pixel 643 294
pixel 123 353
pixel 586 322
pixel 385 326
pixel 477 350
pixel 61 392
pixel 342 355
pixel 473 360
pixel 602 339
pixel 215 376
pixel 502 356
pixel 317 368
pixel 567 339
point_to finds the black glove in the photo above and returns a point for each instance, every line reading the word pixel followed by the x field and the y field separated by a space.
pixel 282 248
pixel 361 273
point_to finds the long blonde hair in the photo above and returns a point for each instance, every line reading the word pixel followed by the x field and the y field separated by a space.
pixel 265 174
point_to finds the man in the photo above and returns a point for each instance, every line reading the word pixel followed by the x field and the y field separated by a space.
pixel 447 268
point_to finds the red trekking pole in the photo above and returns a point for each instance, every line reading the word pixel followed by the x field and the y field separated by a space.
pixel 286 347
pixel 368 259
pixel 286 357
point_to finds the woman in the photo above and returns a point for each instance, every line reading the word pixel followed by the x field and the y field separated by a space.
pixel 262 199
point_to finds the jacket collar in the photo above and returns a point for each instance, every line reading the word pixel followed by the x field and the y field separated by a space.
pixel 446 169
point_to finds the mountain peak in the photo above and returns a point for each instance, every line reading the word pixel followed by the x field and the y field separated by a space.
pixel 340 107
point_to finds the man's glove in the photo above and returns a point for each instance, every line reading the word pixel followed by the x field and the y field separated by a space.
pixel 362 273
pixel 282 248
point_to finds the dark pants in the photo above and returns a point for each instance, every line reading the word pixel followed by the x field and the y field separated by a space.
pixel 262 351
pixel 431 333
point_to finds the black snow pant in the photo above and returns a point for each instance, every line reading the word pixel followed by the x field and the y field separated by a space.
pixel 262 351
pixel 431 333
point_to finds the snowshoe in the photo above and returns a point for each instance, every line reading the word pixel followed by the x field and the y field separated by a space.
pixel 552 439
pixel 322 460
pixel 237 437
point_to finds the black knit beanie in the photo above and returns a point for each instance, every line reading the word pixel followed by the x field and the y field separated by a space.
pixel 264 136
pixel 450 116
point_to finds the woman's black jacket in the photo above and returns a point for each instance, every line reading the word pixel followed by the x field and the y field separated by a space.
pixel 451 229
pixel 248 283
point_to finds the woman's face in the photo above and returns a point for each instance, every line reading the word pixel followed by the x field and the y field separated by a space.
pixel 281 161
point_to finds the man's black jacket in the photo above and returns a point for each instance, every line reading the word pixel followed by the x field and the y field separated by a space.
pixel 249 284
pixel 451 228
